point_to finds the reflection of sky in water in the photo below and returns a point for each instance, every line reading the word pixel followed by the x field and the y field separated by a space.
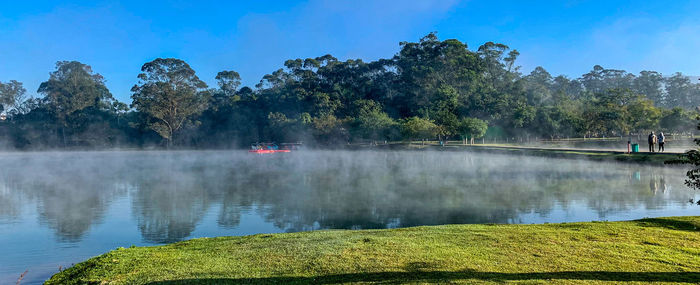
pixel 58 209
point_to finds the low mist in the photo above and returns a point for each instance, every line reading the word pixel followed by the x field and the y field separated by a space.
pixel 88 202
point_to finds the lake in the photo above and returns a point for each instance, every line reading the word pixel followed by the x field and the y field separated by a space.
pixel 57 209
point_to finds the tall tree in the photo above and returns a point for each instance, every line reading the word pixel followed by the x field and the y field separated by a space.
pixel 12 95
pixel 539 85
pixel 170 93
pixel 228 81
pixel 601 79
pixel 681 92
pixel 371 122
pixel 548 121
pixel 72 88
pixel 472 128
pixel 224 122
pixel 327 128
pixel 418 128
pixel 608 113
pixel 650 84
pixel 643 115
pixel 428 68
pixel 496 68
pixel 573 89
pixel 677 120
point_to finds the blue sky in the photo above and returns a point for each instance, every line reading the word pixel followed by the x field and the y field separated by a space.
pixel 256 37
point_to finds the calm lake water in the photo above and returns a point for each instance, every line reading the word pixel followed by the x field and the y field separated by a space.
pixel 57 209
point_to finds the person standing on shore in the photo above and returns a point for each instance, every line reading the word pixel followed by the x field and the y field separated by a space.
pixel 661 139
pixel 652 141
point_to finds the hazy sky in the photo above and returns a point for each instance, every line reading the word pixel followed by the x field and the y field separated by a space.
pixel 256 37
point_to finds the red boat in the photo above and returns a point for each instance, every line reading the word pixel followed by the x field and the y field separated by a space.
pixel 267 148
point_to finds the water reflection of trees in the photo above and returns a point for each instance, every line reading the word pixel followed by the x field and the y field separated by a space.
pixel 171 207
pixel 70 197
pixel 423 189
pixel 171 192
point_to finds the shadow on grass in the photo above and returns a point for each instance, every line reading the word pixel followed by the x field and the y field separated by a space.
pixel 446 276
pixel 668 223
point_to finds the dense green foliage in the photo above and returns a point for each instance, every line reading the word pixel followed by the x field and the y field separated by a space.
pixel 11 96
pixel 691 157
pixel 471 128
pixel 169 94
pixel 649 250
pixel 430 89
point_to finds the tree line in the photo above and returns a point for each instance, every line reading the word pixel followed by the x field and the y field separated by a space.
pixel 430 89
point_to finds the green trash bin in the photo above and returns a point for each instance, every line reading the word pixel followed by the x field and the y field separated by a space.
pixel 635 147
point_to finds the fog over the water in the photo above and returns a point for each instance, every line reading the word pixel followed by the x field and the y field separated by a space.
pixel 61 208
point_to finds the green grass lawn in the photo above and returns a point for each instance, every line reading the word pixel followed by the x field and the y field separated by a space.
pixel 643 251
pixel 640 157
pixel 658 159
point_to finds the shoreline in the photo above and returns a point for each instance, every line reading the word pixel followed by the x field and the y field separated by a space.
pixel 656 158
pixel 656 249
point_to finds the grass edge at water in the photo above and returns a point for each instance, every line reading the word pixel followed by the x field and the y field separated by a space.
pixel 658 249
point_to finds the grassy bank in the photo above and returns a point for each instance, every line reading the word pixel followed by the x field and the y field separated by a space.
pixel 596 155
pixel 660 250
pixel 640 157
